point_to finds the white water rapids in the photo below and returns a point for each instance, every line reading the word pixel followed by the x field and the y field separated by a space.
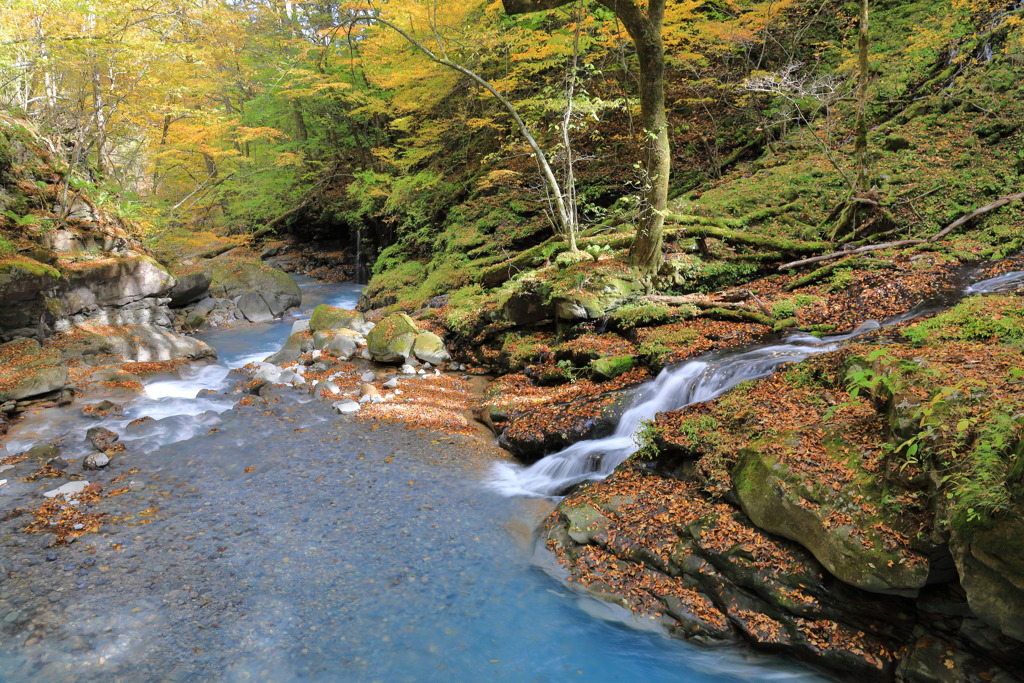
pixel 694 381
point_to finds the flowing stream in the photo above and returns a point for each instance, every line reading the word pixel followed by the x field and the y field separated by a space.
pixel 690 382
pixel 286 543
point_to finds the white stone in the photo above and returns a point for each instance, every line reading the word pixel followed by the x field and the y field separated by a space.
pixel 391 383
pixel 267 372
pixel 329 386
pixel 68 490
pixel 300 326
pixel 95 461
pixel 368 377
pixel 408 370
pixel 346 407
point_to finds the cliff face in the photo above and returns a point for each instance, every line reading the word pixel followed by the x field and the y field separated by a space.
pixel 78 287
pixel 64 260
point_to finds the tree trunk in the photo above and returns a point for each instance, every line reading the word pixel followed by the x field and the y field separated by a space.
pixel 299 121
pixel 860 150
pixel 645 255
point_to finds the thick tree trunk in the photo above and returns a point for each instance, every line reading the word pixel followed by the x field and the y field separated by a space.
pixel 646 253
pixel 645 29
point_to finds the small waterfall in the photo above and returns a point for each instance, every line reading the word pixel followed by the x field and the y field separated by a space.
pixel 695 381
pixel 360 271
pixel 996 284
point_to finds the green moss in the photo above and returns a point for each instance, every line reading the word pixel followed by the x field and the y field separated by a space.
pixel 6 156
pixel 327 317
pixel 662 343
pixel 631 316
pixel 610 367
pixel 27 265
pixel 981 318
pixel 787 308
pixel 522 349
pixel 465 309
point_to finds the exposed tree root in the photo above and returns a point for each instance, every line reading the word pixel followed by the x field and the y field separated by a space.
pixel 723 229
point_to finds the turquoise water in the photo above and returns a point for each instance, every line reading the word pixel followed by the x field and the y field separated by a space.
pixel 287 543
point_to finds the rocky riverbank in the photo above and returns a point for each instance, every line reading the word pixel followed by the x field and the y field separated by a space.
pixel 858 510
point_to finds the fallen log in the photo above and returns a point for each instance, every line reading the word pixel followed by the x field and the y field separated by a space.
pixel 1002 201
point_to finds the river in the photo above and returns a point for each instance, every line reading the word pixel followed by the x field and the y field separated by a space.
pixel 287 543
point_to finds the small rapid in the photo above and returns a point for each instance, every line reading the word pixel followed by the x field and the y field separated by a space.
pixel 188 404
pixel 696 381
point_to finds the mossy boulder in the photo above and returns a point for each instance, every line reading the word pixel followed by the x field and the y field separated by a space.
pixel 392 340
pixel 596 302
pixel 832 527
pixel 297 344
pixel 327 317
pixel 27 370
pixel 429 348
pixel 528 306
pixel 611 367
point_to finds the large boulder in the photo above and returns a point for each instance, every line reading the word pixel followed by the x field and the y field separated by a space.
pixel 254 307
pixel 429 348
pixel 392 339
pixel 327 317
pixel 26 285
pixel 27 370
pixel 277 289
pixel 847 532
pixel 113 290
pixel 94 345
pixel 189 288
pixel 110 282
